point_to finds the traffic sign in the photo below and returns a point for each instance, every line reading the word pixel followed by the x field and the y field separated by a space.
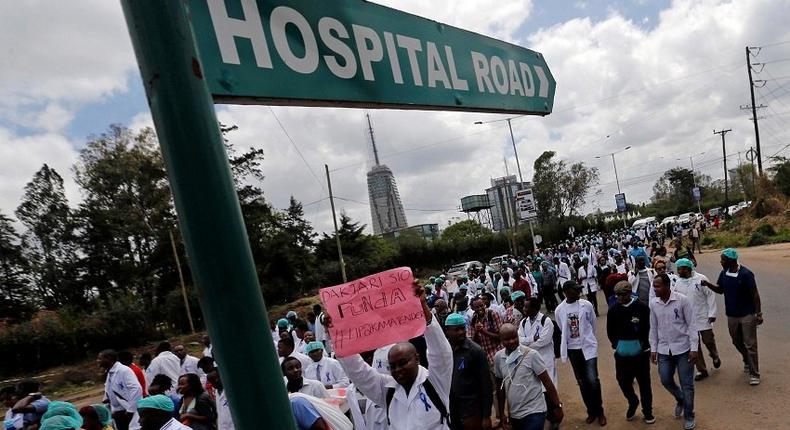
pixel 619 200
pixel 354 53
pixel 525 204
pixel 696 194
pixel 751 155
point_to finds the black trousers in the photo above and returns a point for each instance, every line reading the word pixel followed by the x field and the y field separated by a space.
pixel 629 368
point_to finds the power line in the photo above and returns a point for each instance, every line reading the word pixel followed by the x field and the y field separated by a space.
pixel 772 44
pixel 406 209
pixel 321 184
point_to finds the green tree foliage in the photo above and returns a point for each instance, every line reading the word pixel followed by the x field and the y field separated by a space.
pixel 49 240
pixel 781 174
pixel 126 216
pixel 15 301
pixel 560 189
pixel 463 231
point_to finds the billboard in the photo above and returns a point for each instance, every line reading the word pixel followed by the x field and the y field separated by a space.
pixel 619 200
pixel 525 204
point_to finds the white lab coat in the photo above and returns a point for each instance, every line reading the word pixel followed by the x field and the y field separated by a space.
pixel 190 365
pixel 305 360
pixel 224 418
pixel 538 336
pixel 122 388
pixel 166 363
pixel 328 372
pixel 563 273
pixel 381 360
pixel 587 323
pixel 407 411
pixel 703 299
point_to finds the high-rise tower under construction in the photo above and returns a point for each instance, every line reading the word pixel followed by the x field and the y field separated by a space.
pixel 386 209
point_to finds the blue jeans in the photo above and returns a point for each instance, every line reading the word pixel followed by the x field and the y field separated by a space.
pixel 667 364
pixel 586 373
pixel 530 422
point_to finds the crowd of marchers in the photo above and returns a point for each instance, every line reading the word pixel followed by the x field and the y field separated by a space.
pixel 488 356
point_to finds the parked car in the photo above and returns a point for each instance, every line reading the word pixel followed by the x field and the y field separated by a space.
pixel 670 219
pixel 714 212
pixel 496 262
pixel 686 218
pixel 460 269
pixel 643 222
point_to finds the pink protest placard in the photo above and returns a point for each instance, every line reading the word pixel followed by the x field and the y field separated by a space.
pixel 373 311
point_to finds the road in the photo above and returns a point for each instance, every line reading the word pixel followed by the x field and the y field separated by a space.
pixel 725 400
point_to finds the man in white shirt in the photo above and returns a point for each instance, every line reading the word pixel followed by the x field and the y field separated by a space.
pixel 536 331
pixel 224 418
pixel 703 302
pixel 207 350
pixel 673 345
pixel 285 348
pixel 121 388
pixel 188 362
pixel 576 319
pixel 165 363
pixel 415 398
pixel 156 412
pixel 588 278
pixel 324 369
pixel 296 383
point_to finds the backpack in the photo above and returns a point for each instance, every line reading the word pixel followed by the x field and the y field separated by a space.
pixel 556 336
pixel 432 394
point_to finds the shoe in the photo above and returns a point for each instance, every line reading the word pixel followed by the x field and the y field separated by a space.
pixel 716 363
pixel 650 419
pixel 679 410
pixel 630 414
pixel 602 420
pixel 689 424
pixel 754 380
pixel 700 376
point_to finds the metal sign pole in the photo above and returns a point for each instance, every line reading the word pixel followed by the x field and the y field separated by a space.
pixel 209 212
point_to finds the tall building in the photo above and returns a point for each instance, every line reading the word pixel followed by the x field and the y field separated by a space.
pixel 386 209
pixel 502 198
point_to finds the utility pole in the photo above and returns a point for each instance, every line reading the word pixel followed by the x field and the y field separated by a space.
pixel 181 279
pixel 334 220
pixel 724 151
pixel 754 115
pixel 694 179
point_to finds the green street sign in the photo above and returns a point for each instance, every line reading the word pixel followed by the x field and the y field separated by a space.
pixel 353 53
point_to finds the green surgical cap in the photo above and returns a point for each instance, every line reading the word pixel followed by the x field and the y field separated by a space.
pixel 455 320
pixel 312 346
pixel 438 281
pixel 517 295
pixel 685 262
pixel 503 289
pixel 282 323
pixel 730 253
pixel 159 401
pixel 61 422
pixel 105 417
pixel 64 409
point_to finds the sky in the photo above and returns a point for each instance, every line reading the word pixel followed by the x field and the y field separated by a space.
pixel 657 76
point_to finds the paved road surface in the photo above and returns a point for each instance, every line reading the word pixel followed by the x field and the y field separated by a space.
pixel 724 401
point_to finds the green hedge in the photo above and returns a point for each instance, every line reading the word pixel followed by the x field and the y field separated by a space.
pixel 54 338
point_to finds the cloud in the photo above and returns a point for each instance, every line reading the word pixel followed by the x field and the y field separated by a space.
pixel 23 156
pixel 58 56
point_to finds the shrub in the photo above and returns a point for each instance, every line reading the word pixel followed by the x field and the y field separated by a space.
pixel 757 238
pixel 708 240
pixel 765 230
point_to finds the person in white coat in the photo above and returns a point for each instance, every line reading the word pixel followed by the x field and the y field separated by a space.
pixel 536 331
pixel 188 362
pixel 296 383
pixel 122 390
pixel 588 278
pixel 414 397
pixel 324 369
pixel 165 363
pixel 576 319
pixel 285 349
pixel 224 418
pixel 703 303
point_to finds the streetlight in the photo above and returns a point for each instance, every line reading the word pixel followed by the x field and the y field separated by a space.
pixel 614 163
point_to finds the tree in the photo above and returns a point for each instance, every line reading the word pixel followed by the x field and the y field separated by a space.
pixel 126 216
pixel 15 300
pixel 49 240
pixel 363 254
pixel 561 190
pixel 673 191
pixel 464 230
pixel 781 174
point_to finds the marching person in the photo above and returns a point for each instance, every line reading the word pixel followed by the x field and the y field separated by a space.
pixel 324 369
pixel 743 308
pixel 297 383
pixel 472 392
pixel 703 302
pixel 165 363
pixel 536 331
pixel 520 378
pixel 673 345
pixel 576 319
pixel 414 397
pixel 628 329
pixel 121 388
